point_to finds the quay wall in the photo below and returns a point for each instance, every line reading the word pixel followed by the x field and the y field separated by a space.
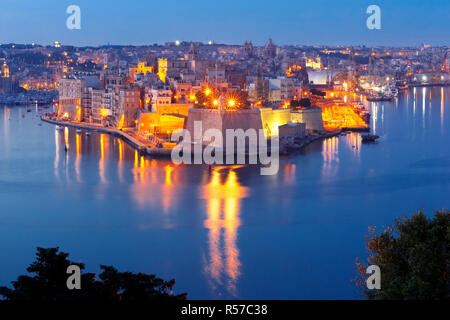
pixel 311 116
pixel 142 148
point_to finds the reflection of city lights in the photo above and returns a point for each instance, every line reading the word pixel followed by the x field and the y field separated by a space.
pixel 223 206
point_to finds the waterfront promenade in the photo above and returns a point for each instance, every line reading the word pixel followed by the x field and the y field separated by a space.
pixel 143 148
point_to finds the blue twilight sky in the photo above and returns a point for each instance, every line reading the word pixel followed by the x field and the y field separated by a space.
pixel 404 22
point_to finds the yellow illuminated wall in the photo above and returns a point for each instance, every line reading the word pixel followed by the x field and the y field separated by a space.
pixel 162 69
pixel 165 120
pixel 272 119
pixel 5 70
pixel 315 64
pixel 141 68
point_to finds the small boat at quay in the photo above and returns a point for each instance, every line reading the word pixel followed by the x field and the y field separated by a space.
pixel 380 97
pixel 369 138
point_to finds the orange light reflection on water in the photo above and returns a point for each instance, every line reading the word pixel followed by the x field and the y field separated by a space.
pixel 101 163
pixel 442 110
pixel 223 206
pixel 121 155
pixel 148 190
pixel 78 158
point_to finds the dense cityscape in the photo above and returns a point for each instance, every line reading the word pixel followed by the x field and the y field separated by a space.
pixel 325 144
pixel 148 92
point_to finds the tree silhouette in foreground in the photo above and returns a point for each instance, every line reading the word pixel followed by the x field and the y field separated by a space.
pixel 48 283
pixel 414 259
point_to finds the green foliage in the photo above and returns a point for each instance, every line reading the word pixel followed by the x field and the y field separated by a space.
pixel 303 103
pixel 206 101
pixel 49 283
pixel 295 104
pixel 414 259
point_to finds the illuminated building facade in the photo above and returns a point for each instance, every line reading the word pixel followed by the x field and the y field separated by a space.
pixel 183 91
pixel 141 69
pixel 313 63
pixel 70 98
pixel 129 105
pixel 162 69
pixel 171 68
pixel 6 84
pixel 161 97
pixel 4 71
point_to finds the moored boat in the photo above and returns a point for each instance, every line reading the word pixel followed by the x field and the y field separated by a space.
pixel 367 138
pixel 380 97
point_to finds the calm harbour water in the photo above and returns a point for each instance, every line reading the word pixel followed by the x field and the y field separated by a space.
pixel 231 233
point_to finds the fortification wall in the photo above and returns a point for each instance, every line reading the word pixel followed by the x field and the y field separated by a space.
pixel 209 119
pixel 223 120
pixel 311 116
pixel 272 119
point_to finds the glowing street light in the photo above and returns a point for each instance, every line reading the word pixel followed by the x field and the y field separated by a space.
pixel 207 91
pixel 215 102
pixel 231 103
